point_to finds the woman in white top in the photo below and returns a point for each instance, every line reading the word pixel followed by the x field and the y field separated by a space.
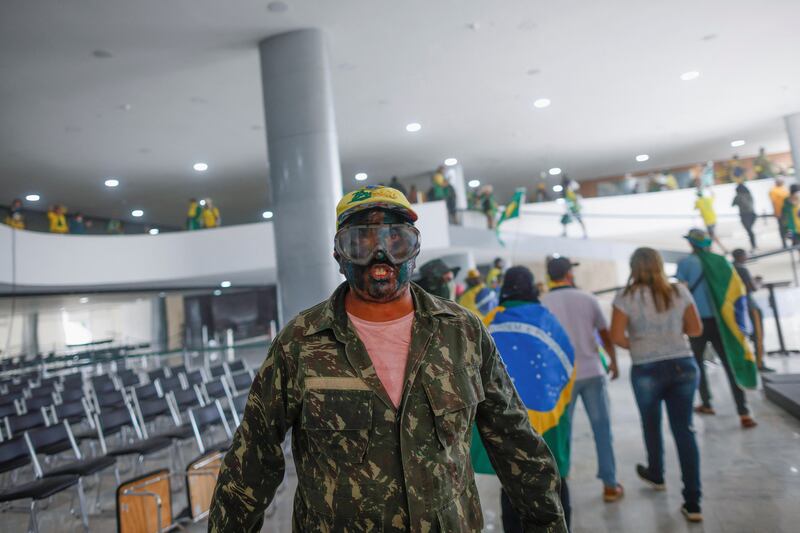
pixel 651 319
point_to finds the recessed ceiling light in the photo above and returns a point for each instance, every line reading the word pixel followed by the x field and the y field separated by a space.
pixel 451 161
pixel 84 300
pixel 691 75
pixel 225 284
pixel 153 231
pixel 555 171
pixel 737 143
pixel 267 214
pixel 361 176
pixel 641 158
pixel 202 202
pixel 137 213
pixel 200 167
pixel 277 7
pixel 111 182
pixel 541 103
pixel 32 197
pixel 557 188
pixel 217 292
pixel 413 127
pixel 474 183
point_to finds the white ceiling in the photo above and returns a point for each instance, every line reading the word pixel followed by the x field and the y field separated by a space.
pixel 468 70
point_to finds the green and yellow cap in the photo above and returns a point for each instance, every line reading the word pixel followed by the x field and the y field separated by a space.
pixel 372 197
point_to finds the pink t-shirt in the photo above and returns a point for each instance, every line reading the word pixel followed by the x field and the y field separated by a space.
pixel 387 346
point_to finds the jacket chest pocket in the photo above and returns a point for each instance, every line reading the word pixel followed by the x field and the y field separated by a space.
pixel 338 422
pixel 453 397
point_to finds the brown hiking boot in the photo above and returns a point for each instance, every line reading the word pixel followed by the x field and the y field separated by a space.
pixel 612 494
pixel 747 422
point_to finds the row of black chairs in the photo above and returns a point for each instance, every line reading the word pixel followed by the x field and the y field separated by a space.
pixel 144 419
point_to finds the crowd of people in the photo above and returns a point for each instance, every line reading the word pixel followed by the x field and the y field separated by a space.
pixel 410 389
pixel 202 214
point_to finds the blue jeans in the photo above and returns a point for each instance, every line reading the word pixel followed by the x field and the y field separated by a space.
pixel 595 399
pixel 674 382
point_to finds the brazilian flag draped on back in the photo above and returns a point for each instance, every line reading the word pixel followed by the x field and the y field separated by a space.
pixel 730 302
pixel 540 360
pixel 511 210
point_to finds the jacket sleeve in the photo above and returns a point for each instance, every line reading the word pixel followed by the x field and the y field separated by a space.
pixel 520 457
pixel 254 465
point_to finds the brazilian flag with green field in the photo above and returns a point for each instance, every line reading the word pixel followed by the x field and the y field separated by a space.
pixel 729 296
pixel 540 360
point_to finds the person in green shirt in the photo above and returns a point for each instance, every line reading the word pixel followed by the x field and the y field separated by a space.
pixel 790 215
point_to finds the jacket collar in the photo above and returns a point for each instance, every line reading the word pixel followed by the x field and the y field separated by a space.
pixel 332 315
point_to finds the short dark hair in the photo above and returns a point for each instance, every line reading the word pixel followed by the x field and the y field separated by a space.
pixel 739 254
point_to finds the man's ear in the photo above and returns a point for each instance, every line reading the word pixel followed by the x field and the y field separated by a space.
pixel 338 258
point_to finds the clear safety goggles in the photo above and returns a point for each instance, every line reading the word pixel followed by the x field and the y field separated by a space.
pixel 358 244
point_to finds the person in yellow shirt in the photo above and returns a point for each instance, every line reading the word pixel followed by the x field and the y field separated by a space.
pixel 194 215
pixel 211 217
pixel 705 204
pixel 15 218
pixel 778 195
pixel 57 217
pixel 477 298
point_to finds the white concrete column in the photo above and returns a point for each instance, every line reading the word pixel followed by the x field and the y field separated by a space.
pixel 305 174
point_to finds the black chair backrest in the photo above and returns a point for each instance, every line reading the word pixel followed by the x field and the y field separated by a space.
pixel 49 381
pixel 72 381
pixel 239 401
pixel 13 454
pixel 175 370
pixel 242 381
pixel 50 440
pixel 16 388
pixel 103 383
pixel 215 389
pixel 217 371
pixel 44 390
pixel 112 398
pixel 71 394
pixel 113 420
pixel 18 424
pixel 8 409
pixel 194 378
pixel 160 372
pixel 39 401
pixel 153 408
pixel 236 366
pixel 207 415
pixel 185 399
pixel 72 411
pixel 170 384
pixel 128 379
pixel 145 392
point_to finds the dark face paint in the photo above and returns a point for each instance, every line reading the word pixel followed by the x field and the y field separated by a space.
pixel 380 280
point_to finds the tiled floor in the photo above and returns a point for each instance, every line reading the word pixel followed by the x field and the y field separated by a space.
pixel 751 481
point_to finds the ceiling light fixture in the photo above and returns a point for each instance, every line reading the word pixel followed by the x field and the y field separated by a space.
pixel 137 213
pixel 225 284
pixel 33 197
pixel 690 75
pixel 737 143
pixel 413 127
pixel 641 158
pixel 217 292
pixel 84 300
pixel 555 171
pixel 200 167
pixel 558 188
pixel 541 103
pixel 474 183
pixel 267 214
pixel 361 176
pixel 202 202
pixel 153 231
pixel 111 182
pixel 451 161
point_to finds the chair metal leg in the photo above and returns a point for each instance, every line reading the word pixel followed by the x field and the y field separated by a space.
pixel 116 475
pixel 33 524
pixel 82 503
pixel 97 497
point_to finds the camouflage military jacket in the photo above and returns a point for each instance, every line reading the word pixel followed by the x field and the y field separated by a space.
pixel 364 465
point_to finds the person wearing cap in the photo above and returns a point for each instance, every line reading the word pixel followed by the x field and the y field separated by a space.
pixel 540 360
pixel 438 279
pixel 380 386
pixel 580 314
pixel 477 298
pixel 690 272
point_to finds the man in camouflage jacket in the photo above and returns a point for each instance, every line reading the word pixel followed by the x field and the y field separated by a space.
pixel 364 464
